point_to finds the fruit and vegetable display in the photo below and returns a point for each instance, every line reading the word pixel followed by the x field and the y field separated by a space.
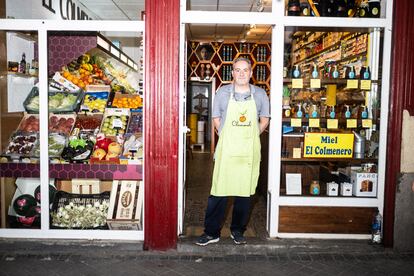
pixel 56 142
pixel 29 123
pixel 58 101
pixel 21 144
pixel 78 150
pixel 89 103
pixel 95 102
pixel 61 124
pixel 114 124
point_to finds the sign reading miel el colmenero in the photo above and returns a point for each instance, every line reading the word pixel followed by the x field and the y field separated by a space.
pixel 328 145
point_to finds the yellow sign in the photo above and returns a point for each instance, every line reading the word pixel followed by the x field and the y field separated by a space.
pixel 315 83
pixel 297 83
pixel 367 123
pixel 351 123
pixel 352 84
pixel 328 145
pixel 295 122
pixel 313 122
pixel 332 123
pixel 366 84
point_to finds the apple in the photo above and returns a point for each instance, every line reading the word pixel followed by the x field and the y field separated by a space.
pixel 103 143
pixel 99 154
pixel 114 147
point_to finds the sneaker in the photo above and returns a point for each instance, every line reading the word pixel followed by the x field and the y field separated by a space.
pixel 238 238
pixel 205 239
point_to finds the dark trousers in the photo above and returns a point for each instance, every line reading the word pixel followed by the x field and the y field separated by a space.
pixel 216 209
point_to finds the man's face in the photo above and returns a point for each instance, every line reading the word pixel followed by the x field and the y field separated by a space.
pixel 241 73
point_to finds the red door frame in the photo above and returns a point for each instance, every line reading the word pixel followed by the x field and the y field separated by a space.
pixel 161 107
pixel 401 97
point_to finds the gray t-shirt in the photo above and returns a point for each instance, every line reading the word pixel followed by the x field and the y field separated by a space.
pixel 222 97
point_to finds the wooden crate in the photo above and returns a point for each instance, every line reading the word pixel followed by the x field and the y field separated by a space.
pixel 84 186
pixel 125 205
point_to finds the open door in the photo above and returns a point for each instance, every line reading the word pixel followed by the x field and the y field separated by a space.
pixel 183 130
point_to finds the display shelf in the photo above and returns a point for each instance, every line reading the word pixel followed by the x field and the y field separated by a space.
pixel 15 74
pixel 218 57
pixel 328 201
pixel 69 171
pixel 324 81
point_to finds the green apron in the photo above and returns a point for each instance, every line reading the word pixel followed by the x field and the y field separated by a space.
pixel 237 157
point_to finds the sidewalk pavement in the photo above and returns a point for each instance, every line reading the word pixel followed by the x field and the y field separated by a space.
pixel 258 257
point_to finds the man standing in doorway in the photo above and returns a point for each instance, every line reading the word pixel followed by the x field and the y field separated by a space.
pixel 240 114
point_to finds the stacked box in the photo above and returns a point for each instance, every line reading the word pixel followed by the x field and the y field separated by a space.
pixel 364 184
pixel 125 205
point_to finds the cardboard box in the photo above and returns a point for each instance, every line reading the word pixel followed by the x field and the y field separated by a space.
pixel 125 205
pixel 78 188
pixel 346 189
pixel 332 189
pixel 364 184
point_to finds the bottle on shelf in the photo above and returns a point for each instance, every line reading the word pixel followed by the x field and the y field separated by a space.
pixel 304 8
pixel 315 188
pixel 376 228
pixel 347 112
pixel 350 6
pixel 332 114
pixel 296 72
pixel 363 10
pixel 335 73
pixel 293 8
pixel 366 75
pixel 314 111
pixel 341 10
pixel 22 64
pixel 364 112
pixel 351 73
pixel 315 73
pixel 230 55
pixel 374 8
pixel 299 112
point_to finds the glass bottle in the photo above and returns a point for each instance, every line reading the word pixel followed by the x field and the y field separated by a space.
pixel 22 64
pixel 351 73
pixel 296 72
pixel 364 113
pixel 299 112
pixel 335 73
pixel 332 113
pixel 313 111
pixel 347 112
pixel 315 73
pixel 315 188
pixel 367 74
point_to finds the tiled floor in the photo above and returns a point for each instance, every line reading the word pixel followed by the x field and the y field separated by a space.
pixel 198 184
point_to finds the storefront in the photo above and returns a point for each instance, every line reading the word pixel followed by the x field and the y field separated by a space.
pixel 322 117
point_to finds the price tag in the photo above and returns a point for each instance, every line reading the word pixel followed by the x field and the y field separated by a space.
pixel 366 84
pixel 366 123
pixel 332 123
pixel 351 123
pixel 297 83
pixel 315 83
pixel 297 153
pixel 295 122
pixel 352 84
pixel 117 123
pixel 313 122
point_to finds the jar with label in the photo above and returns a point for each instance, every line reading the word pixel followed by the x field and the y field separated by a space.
pixel 315 188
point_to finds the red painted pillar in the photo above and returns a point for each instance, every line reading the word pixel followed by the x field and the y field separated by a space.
pixel 401 97
pixel 161 123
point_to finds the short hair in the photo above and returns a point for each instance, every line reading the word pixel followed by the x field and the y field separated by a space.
pixel 243 59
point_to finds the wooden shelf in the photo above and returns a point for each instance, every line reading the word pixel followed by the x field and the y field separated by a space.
pixel 15 74
pixel 325 81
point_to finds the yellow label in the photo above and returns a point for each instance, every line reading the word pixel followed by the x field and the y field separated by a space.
pixel 297 153
pixel 351 123
pixel 315 83
pixel 352 84
pixel 297 83
pixel 332 123
pixel 366 84
pixel 313 122
pixel 328 145
pixel 367 123
pixel 296 122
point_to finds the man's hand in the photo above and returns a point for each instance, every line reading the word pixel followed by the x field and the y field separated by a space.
pixel 263 123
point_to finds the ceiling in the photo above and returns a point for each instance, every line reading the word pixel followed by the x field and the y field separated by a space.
pixel 132 10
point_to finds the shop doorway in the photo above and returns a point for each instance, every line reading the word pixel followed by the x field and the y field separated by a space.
pixel 208 62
